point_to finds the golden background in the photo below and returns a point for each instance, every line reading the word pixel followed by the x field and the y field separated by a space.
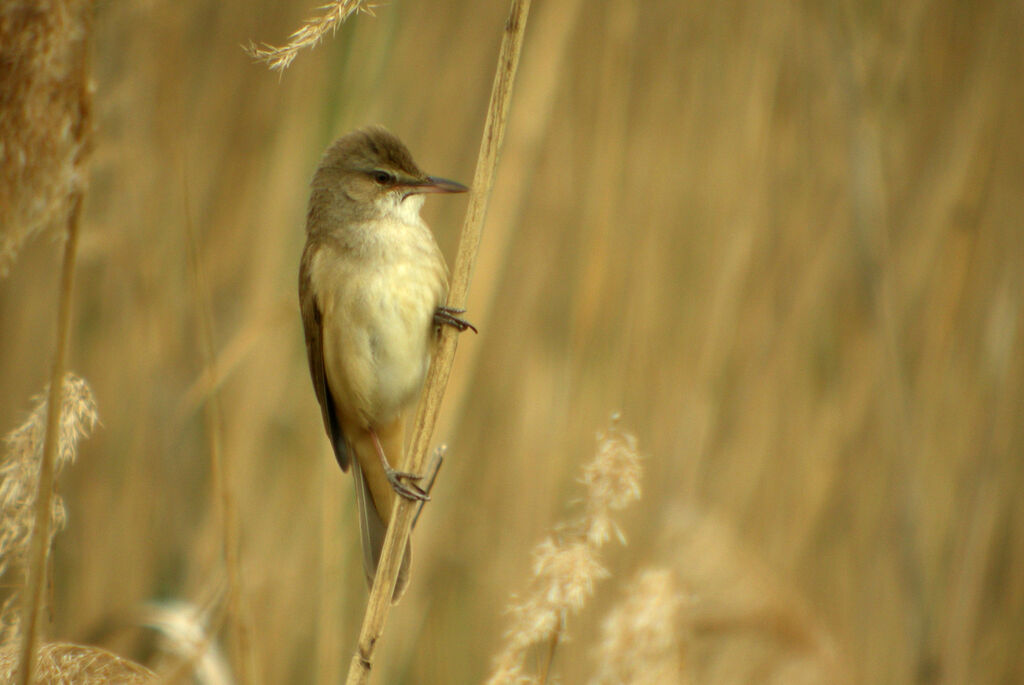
pixel 784 240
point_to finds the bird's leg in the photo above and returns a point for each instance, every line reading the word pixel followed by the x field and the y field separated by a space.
pixel 411 491
pixel 448 316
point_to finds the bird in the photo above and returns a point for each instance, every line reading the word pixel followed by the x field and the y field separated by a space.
pixel 373 287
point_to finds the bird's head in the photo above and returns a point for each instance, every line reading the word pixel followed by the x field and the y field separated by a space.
pixel 372 173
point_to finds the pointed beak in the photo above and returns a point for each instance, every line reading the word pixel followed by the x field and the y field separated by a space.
pixel 433 184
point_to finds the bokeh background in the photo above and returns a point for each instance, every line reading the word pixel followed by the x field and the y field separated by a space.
pixel 784 240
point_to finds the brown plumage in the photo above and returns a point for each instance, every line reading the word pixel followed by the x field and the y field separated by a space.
pixel 372 288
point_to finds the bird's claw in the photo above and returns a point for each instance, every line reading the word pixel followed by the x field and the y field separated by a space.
pixel 448 316
pixel 410 491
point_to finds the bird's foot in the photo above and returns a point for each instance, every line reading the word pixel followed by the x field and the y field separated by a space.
pixel 410 491
pixel 448 316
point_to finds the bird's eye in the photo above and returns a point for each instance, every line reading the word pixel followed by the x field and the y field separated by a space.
pixel 384 178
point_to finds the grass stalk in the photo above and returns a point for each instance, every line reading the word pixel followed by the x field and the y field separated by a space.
pixel 379 603
pixel 39 547
pixel 549 657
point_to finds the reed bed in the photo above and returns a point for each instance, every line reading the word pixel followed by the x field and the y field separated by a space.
pixel 782 240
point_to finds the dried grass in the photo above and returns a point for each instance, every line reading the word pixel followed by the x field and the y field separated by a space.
pixel 642 641
pixel 309 35
pixel 19 484
pixel 61 663
pixel 55 663
pixel 752 251
pixel 566 565
pixel 42 114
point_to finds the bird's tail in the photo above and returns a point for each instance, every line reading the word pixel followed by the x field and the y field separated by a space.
pixel 372 530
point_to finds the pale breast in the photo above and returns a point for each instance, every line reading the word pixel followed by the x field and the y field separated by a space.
pixel 377 307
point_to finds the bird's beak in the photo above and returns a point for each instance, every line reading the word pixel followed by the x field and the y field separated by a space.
pixel 432 184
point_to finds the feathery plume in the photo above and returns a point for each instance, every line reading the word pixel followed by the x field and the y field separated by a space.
pixel 641 638
pixel 566 564
pixel 60 663
pixel 19 477
pixel 309 34
pixel 43 116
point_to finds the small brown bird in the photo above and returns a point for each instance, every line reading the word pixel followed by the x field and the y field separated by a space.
pixel 372 286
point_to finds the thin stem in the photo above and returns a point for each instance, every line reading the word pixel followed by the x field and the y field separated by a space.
pixel 40 545
pixel 379 604
pixel 556 636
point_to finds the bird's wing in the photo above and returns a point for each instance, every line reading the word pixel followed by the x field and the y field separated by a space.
pixel 311 323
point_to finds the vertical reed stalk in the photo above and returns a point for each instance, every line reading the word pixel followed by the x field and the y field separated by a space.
pixel 469 243
pixel 39 548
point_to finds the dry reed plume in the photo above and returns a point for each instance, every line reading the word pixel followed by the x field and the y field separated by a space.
pixel 61 663
pixel 642 642
pixel 55 663
pixel 42 113
pixel 566 565
pixel 19 483
pixel 45 137
pixel 309 35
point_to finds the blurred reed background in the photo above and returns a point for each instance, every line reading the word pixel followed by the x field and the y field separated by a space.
pixel 785 240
